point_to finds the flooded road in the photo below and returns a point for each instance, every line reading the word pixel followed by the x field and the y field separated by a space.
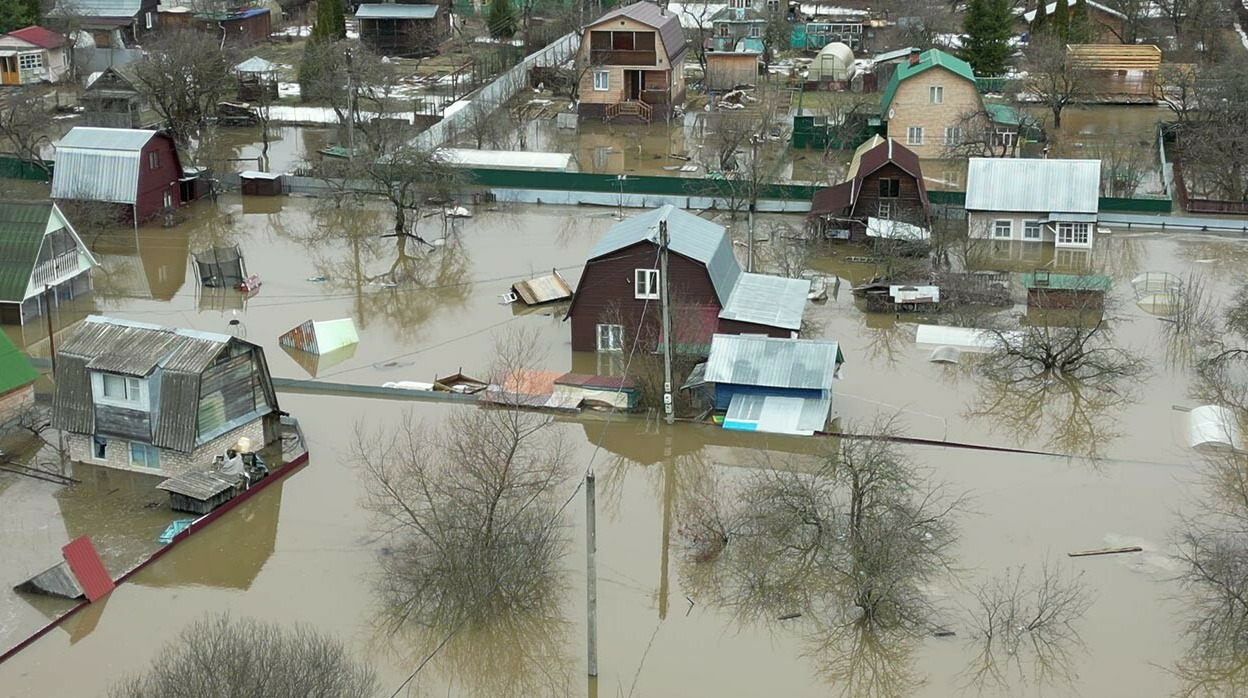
pixel 307 551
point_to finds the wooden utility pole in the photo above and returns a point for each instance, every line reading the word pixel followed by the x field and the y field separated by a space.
pixel 667 324
pixel 47 302
pixel 350 107
pixel 749 243
pixel 591 573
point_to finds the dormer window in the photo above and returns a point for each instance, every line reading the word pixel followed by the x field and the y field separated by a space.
pixel 120 391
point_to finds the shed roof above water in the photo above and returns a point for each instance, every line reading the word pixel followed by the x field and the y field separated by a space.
pixel 391 11
pixel 806 364
pixel 1027 185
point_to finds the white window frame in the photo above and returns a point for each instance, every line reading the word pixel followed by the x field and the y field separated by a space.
pixel 609 337
pixel 1002 224
pixel 646 284
pixel 134 391
pixel 914 135
pixel 936 94
pixel 30 61
pixel 150 456
pixel 755 31
pixel 168 200
pixel 153 160
pixel 1074 234
pixel 1033 230
pixel 602 80
pixel 953 135
pixel 147 19
pixel 738 4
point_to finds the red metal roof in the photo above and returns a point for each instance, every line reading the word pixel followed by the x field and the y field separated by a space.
pixel 85 563
pixel 585 380
pixel 43 38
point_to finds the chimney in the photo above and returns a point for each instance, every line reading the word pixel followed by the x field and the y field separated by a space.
pixel 914 56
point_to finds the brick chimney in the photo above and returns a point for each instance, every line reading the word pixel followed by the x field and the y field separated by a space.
pixel 914 56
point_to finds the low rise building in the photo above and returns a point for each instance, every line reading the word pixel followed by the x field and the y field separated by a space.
pixel 884 181
pixel 131 168
pixel 42 261
pixel 633 64
pixel 406 30
pixel 32 55
pixel 1033 200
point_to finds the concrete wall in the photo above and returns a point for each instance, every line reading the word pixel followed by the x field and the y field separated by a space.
pixel 171 462
pixel 912 106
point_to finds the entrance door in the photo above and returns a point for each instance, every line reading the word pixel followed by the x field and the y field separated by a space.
pixel 636 83
pixel 8 71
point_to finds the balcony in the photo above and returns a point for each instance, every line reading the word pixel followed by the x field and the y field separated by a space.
pixel 55 270
pixel 620 57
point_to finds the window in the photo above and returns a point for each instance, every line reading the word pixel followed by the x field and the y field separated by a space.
pixel 168 200
pixel 890 188
pixel 1003 229
pixel 723 28
pixel 1031 230
pixel 1004 138
pixel 144 456
pixel 610 338
pixel 646 283
pixel 936 94
pixel 602 80
pixel 914 135
pixel 153 160
pixel 99 448
pixel 739 4
pixel 1073 233
pixel 773 5
pixel 147 19
pixel 755 31
pixel 120 391
pixel 886 209
pixel 953 135
pixel 30 61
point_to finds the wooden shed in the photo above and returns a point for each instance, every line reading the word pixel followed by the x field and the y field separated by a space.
pixel 198 492
pixel 261 183
pixel 1066 291
pixel 1117 72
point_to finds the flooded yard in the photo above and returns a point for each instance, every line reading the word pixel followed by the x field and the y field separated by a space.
pixel 307 551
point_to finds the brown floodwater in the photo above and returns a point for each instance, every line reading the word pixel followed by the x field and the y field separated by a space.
pixel 305 551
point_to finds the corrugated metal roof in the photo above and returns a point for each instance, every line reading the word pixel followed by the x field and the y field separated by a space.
pixel 22 227
pixel 85 563
pixel 1067 282
pixel 688 235
pixel 543 289
pixel 97 8
pixel 778 415
pixel 15 368
pixel 671 33
pixel 1033 185
pixel 773 301
pixel 38 36
pixel 931 58
pixel 388 11
pixel 99 164
pixel 807 364
pixel 256 64
pixel 321 336
pixel 1030 15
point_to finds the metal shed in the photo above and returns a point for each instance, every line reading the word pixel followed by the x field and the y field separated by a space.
pixel 1214 427
pixel 321 336
pixel 256 183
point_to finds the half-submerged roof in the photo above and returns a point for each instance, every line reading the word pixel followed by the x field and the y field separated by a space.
pixel 671 33
pixel 99 164
pixel 1033 185
pixel 774 301
pixel 389 11
pixel 931 58
pixel 688 235
pixel 15 368
pixel 806 364
pixel 1067 282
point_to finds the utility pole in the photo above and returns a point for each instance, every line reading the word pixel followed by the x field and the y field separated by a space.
pixel 667 324
pixel 350 107
pixel 591 574
pixel 754 177
pixel 47 301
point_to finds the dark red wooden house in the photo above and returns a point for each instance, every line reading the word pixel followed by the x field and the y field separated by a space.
pixel 132 168
pixel 619 294
pixel 884 181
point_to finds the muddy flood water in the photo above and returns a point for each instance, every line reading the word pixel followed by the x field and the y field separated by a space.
pixel 306 551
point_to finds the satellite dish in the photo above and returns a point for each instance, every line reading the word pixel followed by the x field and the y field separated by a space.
pixel 891 113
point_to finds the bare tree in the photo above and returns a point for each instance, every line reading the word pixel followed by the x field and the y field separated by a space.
pixel 184 75
pixel 467 508
pixel 219 656
pixel 1024 628
pixel 1124 165
pixel 977 137
pixel 24 120
pixel 1050 77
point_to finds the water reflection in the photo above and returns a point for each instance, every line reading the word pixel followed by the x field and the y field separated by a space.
pixel 149 263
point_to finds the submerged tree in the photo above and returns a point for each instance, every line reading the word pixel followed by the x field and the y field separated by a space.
pixel 220 656
pixel 1050 76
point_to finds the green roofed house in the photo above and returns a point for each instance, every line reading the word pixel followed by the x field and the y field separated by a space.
pixel 1080 291
pixel 927 102
pixel 17 381
pixel 42 260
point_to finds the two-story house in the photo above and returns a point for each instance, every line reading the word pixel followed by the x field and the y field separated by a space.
pixel 619 292
pixel 884 181
pixel 108 20
pixel 1033 200
pixel 132 168
pixel 32 55
pixel 42 260
pixel 631 64
pixel 161 400
pixel 928 101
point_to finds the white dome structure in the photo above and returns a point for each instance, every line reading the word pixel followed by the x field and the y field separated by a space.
pixel 834 63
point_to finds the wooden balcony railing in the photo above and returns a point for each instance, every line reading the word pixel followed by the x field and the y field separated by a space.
pixel 611 57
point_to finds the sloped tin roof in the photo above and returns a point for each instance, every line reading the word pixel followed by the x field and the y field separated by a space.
pixel 931 58
pixel 774 301
pixel 87 567
pixel 806 364
pixel 38 36
pixel 1033 185
pixel 22 227
pixel 671 33
pixel 97 8
pixel 388 11
pixel 99 164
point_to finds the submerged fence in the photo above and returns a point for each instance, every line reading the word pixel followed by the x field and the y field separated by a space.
pixel 497 93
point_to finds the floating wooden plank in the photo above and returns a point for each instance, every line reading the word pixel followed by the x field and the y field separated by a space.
pixel 1106 551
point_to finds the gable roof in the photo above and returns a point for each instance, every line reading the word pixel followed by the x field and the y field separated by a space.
pixel 389 11
pixel 100 164
pixel 1030 15
pixel 98 8
pixel 671 33
pixel 22 227
pixel 15 368
pixel 38 36
pixel 804 364
pixel 688 235
pixel 137 349
pixel 868 157
pixel 1033 185
pixel 256 64
pixel 931 58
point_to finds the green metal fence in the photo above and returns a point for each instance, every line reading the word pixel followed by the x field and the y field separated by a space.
pixel 15 168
